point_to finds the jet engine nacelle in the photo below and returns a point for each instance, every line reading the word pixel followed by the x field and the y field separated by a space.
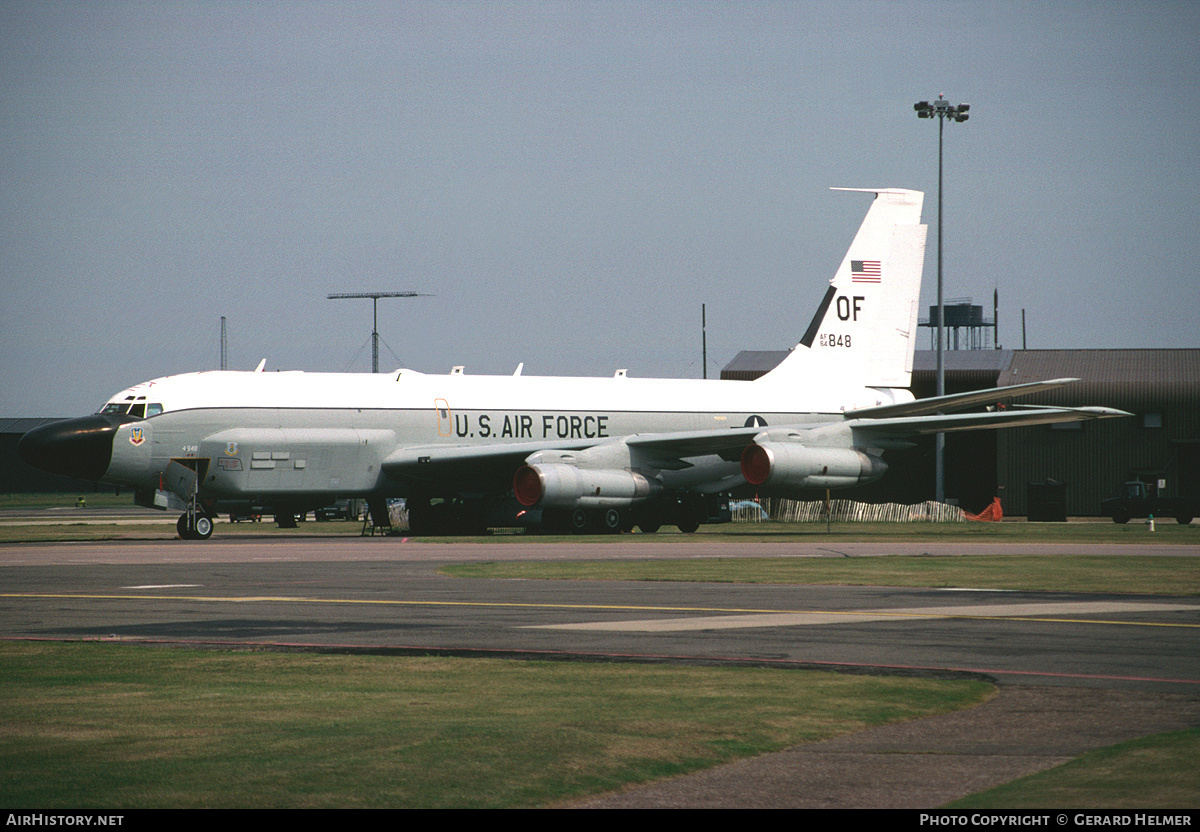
pixel 791 465
pixel 557 485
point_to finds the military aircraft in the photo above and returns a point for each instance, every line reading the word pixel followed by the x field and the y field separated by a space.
pixel 571 454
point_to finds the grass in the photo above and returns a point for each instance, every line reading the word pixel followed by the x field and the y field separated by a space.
pixel 57 519
pixel 44 500
pixel 1157 773
pixel 68 526
pixel 98 726
pixel 1009 531
pixel 1047 573
pixel 97 531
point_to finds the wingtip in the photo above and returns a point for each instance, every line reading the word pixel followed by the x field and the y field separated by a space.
pixel 877 190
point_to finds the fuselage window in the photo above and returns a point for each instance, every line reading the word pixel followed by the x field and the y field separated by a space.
pixel 115 407
pixel 153 409
pixel 138 410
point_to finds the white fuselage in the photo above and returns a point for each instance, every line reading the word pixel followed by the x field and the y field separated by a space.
pixel 330 433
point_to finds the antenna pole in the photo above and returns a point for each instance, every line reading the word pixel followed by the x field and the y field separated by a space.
pixel 375 296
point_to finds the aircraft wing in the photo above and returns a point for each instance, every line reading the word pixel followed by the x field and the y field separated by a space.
pixel 947 423
pixel 894 431
pixel 486 467
pixel 482 468
pixel 890 421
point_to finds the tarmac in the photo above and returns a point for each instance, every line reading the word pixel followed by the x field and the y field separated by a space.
pixel 924 763
pixel 921 764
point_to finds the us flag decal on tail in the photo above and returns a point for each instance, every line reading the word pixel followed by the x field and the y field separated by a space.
pixel 865 271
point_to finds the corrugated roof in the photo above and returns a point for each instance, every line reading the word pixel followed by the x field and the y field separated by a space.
pixel 1173 372
pixel 994 361
pixel 1164 382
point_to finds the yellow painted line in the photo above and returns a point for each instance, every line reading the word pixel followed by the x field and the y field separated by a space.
pixel 1051 612
pixel 725 618
pixel 808 619
pixel 373 601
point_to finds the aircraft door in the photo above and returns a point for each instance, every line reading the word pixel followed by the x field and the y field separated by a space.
pixel 445 422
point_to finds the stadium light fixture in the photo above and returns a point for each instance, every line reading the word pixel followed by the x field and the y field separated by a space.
pixel 941 110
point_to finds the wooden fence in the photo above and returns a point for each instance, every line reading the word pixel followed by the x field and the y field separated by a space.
pixel 848 511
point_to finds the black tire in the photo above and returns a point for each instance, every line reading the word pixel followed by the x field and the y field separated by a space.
pixel 1121 518
pixel 612 521
pixel 580 521
pixel 555 521
pixel 647 518
pixel 1183 519
pixel 420 518
pixel 201 527
pixel 431 519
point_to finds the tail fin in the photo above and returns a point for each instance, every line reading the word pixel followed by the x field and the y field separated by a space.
pixel 864 331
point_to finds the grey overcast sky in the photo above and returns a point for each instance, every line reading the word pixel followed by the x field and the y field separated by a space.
pixel 570 180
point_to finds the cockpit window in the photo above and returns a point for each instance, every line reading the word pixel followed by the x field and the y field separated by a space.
pixel 139 410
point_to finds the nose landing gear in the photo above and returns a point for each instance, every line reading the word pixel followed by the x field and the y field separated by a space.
pixel 195 525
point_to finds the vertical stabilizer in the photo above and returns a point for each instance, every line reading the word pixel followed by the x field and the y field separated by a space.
pixel 864 329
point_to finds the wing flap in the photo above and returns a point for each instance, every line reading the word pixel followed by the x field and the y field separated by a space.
pixel 466 467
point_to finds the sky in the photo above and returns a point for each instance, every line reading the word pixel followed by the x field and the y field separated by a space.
pixel 568 182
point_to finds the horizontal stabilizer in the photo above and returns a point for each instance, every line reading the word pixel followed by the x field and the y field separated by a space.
pixel 916 425
pixel 957 401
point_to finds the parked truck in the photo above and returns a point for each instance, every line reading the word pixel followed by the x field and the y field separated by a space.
pixel 1136 502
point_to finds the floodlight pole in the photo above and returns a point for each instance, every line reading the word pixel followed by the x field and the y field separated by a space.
pixel 375 296
pixel 941 109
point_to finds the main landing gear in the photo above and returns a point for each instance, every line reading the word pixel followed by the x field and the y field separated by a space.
pixel 448 517
pixel 648 518
pixel 588 521
pixel 465 516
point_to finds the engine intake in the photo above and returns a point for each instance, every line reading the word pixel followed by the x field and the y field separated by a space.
pixel 790 465
pixel 557 485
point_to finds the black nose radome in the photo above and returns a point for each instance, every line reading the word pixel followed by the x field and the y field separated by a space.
pixel 80 448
